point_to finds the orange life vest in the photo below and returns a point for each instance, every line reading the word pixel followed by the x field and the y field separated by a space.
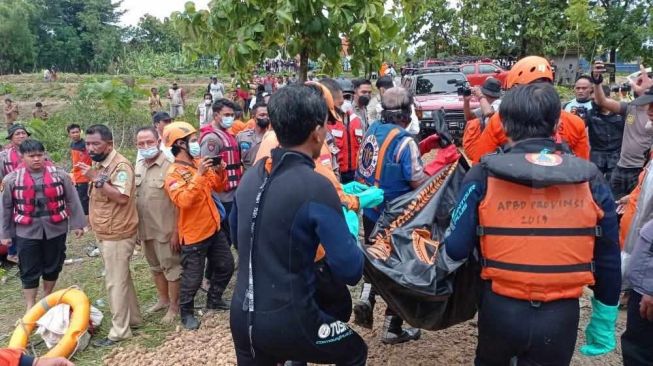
pixel 347 136
pixel 538 224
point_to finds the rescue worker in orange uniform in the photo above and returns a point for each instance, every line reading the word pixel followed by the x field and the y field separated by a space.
pixel 347 131
pixel 189 183
pixel 325 164
pixel 545 224
pixel 16 357
pixel 78 154
pixel 571 128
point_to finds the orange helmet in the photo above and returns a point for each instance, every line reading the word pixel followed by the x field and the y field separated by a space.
pixel 328 98
pixel 175 131
pixel 529 69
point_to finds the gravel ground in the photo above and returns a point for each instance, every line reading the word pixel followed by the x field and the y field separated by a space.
pixel 212 345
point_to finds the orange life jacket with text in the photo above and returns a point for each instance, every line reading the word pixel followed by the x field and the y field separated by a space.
pixel 537 225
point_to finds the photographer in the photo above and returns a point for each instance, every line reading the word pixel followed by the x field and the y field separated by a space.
pixel 637 139
pixel 488 96
pixel 606 130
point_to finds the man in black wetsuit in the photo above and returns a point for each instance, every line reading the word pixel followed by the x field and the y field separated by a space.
pixel 282 211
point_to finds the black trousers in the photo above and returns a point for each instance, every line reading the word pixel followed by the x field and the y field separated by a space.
pixel 40 258
pixel 637 340
pixel 82 192
pixel 542 334
pixel 224 227
pixel 290 334
pixel 216 250
pixel 623 181
pixel 606 161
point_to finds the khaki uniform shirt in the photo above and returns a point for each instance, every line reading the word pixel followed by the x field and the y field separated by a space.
pixel 157 215
pixel 111 220
pixel 41 227
pixel 248 143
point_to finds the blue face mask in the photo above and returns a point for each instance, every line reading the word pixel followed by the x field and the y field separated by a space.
pixel 149 153
pixel 194 149
pixel 227 122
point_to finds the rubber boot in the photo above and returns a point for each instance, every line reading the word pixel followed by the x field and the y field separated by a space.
pixel 393 333
pixel 188 319
pixel 364 308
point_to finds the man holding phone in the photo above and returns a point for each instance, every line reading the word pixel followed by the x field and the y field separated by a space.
pixel 637 138
pixel 190 183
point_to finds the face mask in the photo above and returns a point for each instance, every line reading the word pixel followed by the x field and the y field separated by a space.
pixel 263 122
pixel 227 122
pixel 364 100
pixel 194 149
pixel 98 157
pixel 149 153
pixel 175 87
pixel 207 102
pixel 347 106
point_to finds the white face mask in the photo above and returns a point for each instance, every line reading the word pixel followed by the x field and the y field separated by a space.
pixel 149 153
pixel 194 149
pixel 347 106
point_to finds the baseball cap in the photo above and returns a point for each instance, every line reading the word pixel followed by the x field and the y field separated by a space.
pixel 492 88
pixel 160 116
pixel 16 127
pixel 644 99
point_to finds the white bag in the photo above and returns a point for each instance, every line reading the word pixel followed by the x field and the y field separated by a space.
pixel 53 325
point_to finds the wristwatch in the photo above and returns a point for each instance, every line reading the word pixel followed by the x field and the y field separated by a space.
pixel 100 182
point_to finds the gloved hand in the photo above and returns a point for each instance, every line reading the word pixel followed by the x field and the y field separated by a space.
pixel 600 332
pixel 429 143
pixel 352 221
pixel 354 187
pixel 371 197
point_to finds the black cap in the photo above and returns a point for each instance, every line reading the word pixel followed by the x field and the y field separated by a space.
pixel 492 88
pixel 16 127
pixel 160 116
pixel 644 99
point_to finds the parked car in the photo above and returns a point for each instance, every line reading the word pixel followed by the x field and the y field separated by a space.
pixel 476 73
pixel 437 103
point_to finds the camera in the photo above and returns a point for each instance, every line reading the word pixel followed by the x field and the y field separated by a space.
pixel 581 112
pixel 463 87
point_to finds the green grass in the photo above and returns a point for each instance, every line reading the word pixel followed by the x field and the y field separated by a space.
pixel 87 276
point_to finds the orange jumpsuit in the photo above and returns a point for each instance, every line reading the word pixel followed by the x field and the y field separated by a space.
pixel 571 130
pixel 191 193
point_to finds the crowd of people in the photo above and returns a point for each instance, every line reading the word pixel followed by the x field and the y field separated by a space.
pixel 296 187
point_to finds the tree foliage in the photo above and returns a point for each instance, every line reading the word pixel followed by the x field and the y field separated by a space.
pixel 153 34
pixel 243 33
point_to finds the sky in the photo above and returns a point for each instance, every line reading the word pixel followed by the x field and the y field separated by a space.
pixel 158 8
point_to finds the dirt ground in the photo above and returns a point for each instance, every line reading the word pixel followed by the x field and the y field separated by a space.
pixel 212 345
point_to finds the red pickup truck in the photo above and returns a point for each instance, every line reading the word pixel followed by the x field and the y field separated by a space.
pixel 476 73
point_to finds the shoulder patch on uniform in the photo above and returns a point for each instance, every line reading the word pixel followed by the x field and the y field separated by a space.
pixel 211 145
pixel 121 176
pixel 630 118
pixel 2 187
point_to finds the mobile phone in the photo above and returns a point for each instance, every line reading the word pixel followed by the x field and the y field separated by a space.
pixel 216 160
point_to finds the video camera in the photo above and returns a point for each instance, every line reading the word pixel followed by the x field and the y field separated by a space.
pixel 463 87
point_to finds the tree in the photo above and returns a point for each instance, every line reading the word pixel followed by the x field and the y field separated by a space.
pixel 154 34
pixel 245 32
pixel 626 27
pixel 17 51
pixel 77 35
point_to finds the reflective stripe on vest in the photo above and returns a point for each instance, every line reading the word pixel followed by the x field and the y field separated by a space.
pixel 531 248
pixel 11 162
pixel 25 202
pixel 230 155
